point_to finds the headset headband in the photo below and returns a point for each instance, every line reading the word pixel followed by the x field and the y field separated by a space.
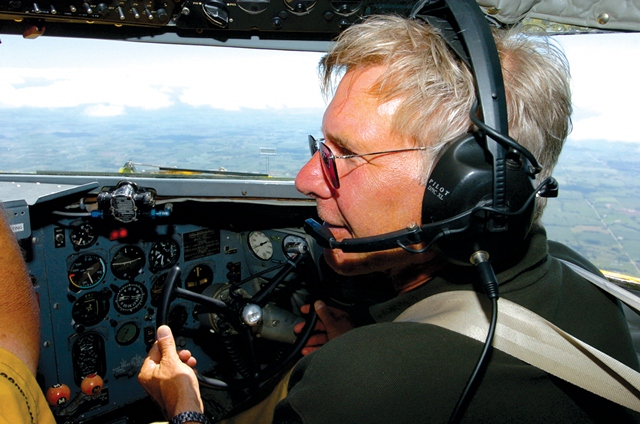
pixel 467 32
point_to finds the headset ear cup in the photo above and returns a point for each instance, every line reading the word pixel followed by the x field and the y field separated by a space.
pixel 460 182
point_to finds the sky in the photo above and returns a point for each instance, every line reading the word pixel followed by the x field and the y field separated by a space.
pixel 106 78
pixel 109 76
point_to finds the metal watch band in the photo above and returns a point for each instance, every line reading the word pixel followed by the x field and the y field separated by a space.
pixel 189 416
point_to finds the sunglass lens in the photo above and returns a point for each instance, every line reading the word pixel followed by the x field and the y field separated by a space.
pixel 329 165
pixel 313 145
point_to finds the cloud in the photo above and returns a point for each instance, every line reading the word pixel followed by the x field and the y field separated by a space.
pixel 56 87
pixel 104 110
pixel 604 82
pixel 151 76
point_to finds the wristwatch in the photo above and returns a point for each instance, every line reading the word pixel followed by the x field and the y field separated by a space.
pixel 189 416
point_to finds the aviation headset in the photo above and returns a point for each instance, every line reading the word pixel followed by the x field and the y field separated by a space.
pixel 480 194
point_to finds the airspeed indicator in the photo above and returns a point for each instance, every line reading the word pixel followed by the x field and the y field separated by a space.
pixel 87 271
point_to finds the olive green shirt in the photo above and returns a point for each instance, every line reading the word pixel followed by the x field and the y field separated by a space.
pixel 392 372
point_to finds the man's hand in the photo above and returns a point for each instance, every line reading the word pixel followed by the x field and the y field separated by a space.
pixel 332 322
pixel 167 376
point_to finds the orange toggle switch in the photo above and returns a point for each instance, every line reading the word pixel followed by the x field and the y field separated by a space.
pixel 58 394
pixel 91 385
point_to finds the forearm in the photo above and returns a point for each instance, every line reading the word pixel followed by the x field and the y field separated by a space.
pixel 17 301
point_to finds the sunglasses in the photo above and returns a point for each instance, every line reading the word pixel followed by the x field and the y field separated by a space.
pixel 328 159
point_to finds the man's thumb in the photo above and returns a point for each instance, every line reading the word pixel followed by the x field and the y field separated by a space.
pixel 166 342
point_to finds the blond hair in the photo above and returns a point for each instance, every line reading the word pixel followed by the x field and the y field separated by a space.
pixel 435 89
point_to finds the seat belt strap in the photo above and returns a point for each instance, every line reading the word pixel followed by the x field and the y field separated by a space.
pixel 624 295
pixel 532 339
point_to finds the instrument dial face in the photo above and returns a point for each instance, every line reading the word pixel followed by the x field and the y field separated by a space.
pixel 163 254
pixel 88 356
pixel 83 235
pixel 292 245
pixel 127 334
pixel 90 308
pixel 200 277
pixel 127 262
pixel 260 245
pixel 87 271
pixel 130 298
pixel 156 289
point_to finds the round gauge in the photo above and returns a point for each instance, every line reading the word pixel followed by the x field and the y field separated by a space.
pixel 130 298
pixel 90 308
pixel 345 7
pixel 127 334
pixel 163 254
pixel 260 245
pixel 253 6
pixel 300 6
pixel 177 318
pixel 127 262
pixel 292 245
pixel 157 286
pixel 83 235
pixel 87 271
pixel 156 289
pixel 200 277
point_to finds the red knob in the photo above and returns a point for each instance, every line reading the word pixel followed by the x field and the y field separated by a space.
pixel 91 385
pixel 58 394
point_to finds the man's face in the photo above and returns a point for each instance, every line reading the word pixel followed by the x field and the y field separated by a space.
pixel 378 193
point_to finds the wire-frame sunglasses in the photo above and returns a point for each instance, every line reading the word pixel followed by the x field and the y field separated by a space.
pixel 328 159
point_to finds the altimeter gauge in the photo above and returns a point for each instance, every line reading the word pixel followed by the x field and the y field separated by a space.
pixel 260 245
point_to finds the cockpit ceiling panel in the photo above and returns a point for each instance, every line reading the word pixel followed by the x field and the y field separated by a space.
pixel 610 15
pixel 298 24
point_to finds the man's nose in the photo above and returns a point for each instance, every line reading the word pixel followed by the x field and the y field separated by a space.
pixel 311 180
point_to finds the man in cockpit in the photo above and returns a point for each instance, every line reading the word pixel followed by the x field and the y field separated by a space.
pixel 404 95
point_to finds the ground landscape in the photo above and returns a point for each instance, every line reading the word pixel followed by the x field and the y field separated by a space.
pixel 597 212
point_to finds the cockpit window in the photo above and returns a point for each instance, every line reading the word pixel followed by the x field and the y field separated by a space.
pixel 95 106
pixel 598 212
pixel 76 105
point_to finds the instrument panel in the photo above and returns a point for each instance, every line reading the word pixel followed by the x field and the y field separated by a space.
pixel 100 282
pixel 194 19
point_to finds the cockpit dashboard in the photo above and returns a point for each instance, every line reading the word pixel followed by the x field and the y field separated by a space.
pixel 99 252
